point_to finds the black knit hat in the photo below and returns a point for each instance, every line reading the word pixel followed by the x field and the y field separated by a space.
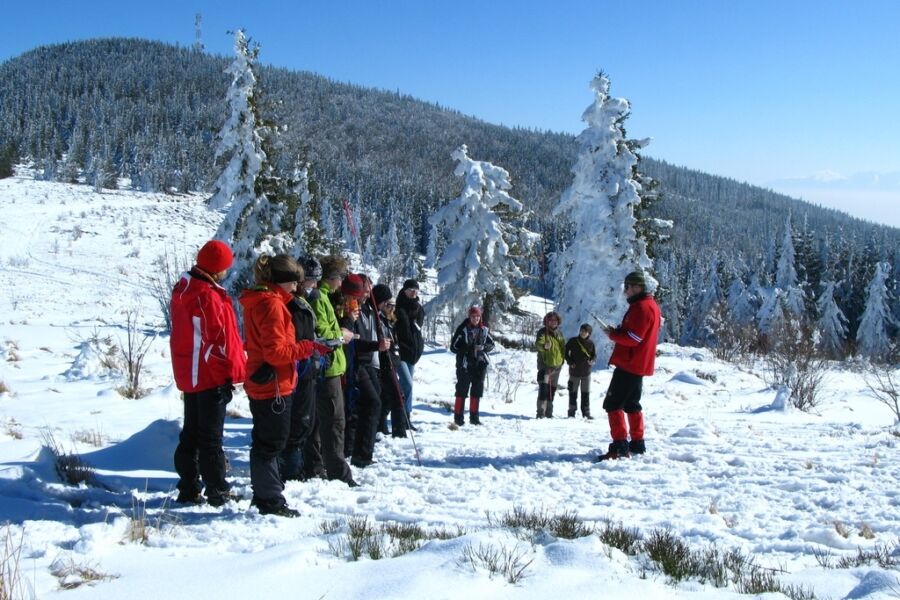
pixel 636 278
pixel 410 284
pixel 381 293
pixel 311 267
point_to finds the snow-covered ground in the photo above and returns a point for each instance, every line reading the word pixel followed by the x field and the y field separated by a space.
pixel 723 466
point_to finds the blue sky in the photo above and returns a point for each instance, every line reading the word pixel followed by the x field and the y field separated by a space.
pixel 801 96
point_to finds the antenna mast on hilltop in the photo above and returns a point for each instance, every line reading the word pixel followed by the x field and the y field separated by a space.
pixel 198 34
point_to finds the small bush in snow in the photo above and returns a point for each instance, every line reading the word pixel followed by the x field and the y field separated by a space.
pixel 793 361
pixel 4 389
pixel 72 575
pixel 565 525
pixel 625 539
pixel 13 428
pixel 70 467
pixel 132 354
pixel 510 563
pixel 883 382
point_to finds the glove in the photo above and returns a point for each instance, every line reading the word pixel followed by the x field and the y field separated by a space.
pixel 225 392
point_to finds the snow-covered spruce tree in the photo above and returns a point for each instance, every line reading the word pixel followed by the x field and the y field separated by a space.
pixel 254 223
pixel 872 337
pixel 786 275
pixel 474 264
pixel 600 206
pixel 705 319
pixel 831 324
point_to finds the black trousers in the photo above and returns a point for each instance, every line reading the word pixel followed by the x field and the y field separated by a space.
pixel 199 455
pixel 624 392
pixel 330 413
pixel 392 402
pixel 271 427
pixel 470 381
pixel 302 423
pixel 367 411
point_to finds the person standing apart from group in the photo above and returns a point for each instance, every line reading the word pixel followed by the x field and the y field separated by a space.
pixel 410 317
pixel 207 361
pixel 580 356
pixel 551 347
pixel 471 343
pixel 633 357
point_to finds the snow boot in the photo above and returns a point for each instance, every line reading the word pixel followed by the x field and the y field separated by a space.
pixel 573 396
pixel 473 411
pixel 637 447
pixel 617 449
pixel 458 411
pixel 586 406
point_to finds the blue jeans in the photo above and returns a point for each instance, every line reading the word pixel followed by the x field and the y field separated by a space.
pixel 405 372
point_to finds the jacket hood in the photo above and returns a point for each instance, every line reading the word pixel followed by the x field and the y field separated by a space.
pixel 193 283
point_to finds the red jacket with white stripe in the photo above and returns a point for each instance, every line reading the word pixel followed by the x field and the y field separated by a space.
pixel 635 338
pixel 206 346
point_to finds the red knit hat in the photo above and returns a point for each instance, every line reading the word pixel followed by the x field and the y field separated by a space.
pixel 353 286
pixel 214 256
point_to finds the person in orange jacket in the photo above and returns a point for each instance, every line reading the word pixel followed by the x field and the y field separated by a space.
pixel 272 353
pixel 207 360
pixel 633 358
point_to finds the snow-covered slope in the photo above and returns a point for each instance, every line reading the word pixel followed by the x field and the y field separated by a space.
pixel 726 466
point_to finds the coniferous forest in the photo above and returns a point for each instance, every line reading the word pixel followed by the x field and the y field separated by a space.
pixel 96 111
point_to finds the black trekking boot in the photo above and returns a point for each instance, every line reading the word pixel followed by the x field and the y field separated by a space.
pixel 637 447
pixel 459 419
pixel 473 418
pixel 616 450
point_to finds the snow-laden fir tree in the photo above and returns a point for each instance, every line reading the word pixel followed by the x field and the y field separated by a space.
pixel 257 220
pixel 872 337
pixel 786 275
pixel 600 206
pixel 831 323
pixel 771 312
pixel 743 300
pixel 474 264
pixel 702 324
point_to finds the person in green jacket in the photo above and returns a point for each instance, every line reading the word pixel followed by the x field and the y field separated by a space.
pixel 551 350
pixel 329 395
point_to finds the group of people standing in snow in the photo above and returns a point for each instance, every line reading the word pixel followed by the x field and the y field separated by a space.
pixel 327 357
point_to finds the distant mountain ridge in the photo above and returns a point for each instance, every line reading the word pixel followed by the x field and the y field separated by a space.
pixel 150 111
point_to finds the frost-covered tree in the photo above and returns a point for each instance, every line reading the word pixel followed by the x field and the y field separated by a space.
pixel 474 264
pixel 600 207
pixel 743 300
pixel 872 338
pixel 771 312
pixel 831 323
pixel 254 223
pixel 700 328
pixel 786 275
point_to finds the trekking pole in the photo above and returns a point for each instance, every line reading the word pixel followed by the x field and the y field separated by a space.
pixel 379 335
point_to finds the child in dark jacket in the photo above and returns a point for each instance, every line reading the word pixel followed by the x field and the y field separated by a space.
pixel 580 356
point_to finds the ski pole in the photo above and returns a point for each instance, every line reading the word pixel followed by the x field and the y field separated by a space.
pixel 379 334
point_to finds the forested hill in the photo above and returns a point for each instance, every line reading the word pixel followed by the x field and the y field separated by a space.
pixel 150 111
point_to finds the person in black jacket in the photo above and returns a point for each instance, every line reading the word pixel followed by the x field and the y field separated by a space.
pixel 303 401
pixel 391 395
pixel 408 329
pixel 580 356
pixel 471 343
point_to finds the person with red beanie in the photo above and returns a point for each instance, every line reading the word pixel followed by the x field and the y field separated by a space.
pixel 207 360
pixel 471 343
pixel 633 358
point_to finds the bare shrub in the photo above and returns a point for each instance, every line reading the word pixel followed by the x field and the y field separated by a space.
pixel 4 389
pixel 793 361
pixel 626 539
pixel 70 467
pixel 72 575
pixel 91 437
pixel 11 583
pixel 507 377
pixel 883 382
pixel 132 353
pixel 13 429
pixel 510 563
pixel 170 266
pixel 733 341
pixel 142 523
pixel 565 525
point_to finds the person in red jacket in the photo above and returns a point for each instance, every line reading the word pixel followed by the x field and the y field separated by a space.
pixel 633 358
pixel 272 354
pixel 207 360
